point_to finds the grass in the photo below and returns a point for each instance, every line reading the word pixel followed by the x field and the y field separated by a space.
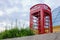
pixel 15 32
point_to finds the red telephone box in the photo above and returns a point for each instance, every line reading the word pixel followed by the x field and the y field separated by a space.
pixel 41 18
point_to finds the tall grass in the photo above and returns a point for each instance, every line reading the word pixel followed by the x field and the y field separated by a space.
pixel 15 32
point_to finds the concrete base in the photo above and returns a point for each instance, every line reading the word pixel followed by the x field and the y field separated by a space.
pixel 50 36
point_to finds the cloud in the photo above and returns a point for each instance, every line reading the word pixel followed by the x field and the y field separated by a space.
pixel 1 13
pixel 24 23
pixel 2 29
pixel 2 26
pixel 24 15
pixel 27 4
pixel 6 25
pixel 52 3
pixel 11 10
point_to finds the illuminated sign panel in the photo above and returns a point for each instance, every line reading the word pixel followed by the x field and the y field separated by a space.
pixel 38 7
pixel 46 8
pixel 35 8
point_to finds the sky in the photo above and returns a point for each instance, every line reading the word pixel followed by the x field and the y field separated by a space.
pixel 10 10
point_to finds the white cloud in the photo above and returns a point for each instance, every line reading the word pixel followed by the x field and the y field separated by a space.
pixel 24 15
pixel 1 13
pixel 6 25
pixel 11 10
pixel 24 22
pixel 52 3
pixel 2 29
pixel 30 2
pixel 11 2
pixel 2 26
pixel 26 2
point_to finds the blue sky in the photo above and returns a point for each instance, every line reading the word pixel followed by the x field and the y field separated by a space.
pixel 19 9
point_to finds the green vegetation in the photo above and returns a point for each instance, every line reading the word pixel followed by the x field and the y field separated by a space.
pixel 16 33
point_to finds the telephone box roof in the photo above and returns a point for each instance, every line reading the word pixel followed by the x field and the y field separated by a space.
pixel 40 5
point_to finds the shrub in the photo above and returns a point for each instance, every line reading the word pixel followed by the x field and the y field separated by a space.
pixel 15 32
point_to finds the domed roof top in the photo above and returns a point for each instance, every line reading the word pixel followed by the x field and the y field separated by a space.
pixel 40 5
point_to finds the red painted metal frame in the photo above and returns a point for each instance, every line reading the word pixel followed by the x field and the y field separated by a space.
pixel 41 10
